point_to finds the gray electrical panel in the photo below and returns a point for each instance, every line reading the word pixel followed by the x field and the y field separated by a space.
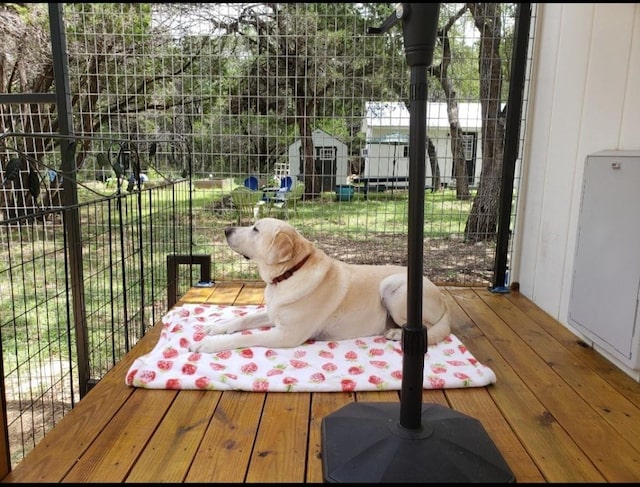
pixel 606 273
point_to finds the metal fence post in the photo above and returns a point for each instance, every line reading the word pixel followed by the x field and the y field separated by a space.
pixel 173 261
pixel 69 188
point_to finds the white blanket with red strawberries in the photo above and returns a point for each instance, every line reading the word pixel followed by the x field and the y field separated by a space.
pixel 361 364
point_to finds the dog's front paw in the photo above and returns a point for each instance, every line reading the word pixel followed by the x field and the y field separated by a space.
pixel 215 329
pixel 206 345
pixel 196 347
pixel 393 334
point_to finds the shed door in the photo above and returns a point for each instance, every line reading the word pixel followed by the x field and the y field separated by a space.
pixel 469 146
pixel 470 141
pixel 326 164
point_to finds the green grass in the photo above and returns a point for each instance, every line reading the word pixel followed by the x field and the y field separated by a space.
pixel 380 214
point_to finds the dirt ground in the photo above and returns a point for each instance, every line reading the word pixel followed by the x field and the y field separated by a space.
pixel 449 260
pixel 45 400
pixel 445 261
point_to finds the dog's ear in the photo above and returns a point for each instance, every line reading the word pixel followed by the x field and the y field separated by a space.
pixel 282 248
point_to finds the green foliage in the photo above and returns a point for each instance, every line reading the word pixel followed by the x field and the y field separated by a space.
pixel 101 18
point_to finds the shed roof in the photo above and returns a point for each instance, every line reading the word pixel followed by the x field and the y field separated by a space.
pixel 396 114
pixel 325 137
pixel 392 138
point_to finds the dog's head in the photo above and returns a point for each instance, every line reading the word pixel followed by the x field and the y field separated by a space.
pixel 274 245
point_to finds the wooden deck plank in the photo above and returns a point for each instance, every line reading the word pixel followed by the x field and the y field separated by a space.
pixel 435 396
pixel 462 325
pixel 225 450
pixel 565 385
pixel 322 404
pixel 280 451
pixel 479 404
pixel 590 357
pixel 253 294
pixel 57 451
pixel 605 398
pixel 225 293
pixel 377 396
pixel 198 295
pixel 552 449
pixel 169 454
pixel 110 457
pixel 60 448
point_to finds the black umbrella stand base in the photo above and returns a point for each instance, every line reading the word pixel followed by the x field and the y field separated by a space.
pixel 364 442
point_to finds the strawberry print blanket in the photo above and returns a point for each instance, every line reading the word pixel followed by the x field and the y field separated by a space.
pixel 362 364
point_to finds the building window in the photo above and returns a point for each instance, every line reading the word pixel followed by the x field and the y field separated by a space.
pixel 326 153
pixel 468 143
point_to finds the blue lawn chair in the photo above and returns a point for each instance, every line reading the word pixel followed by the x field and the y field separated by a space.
pixel 251 182
pixel 286 182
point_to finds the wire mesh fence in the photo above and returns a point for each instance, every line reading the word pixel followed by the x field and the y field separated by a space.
pixel 198 99
pixel 61 329
pixel 262 92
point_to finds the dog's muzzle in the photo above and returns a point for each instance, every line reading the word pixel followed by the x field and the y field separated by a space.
pixel 230 231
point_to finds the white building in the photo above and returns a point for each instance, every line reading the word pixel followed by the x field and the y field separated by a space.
pixel 386 129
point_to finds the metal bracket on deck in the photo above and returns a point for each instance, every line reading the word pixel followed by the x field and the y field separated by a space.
pixel 173 261
pixel 499 289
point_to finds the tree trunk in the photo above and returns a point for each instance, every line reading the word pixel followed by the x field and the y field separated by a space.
pixel 483 219
pixel 457 153
pixel 311 179
pixel 435 167
pixel 457 147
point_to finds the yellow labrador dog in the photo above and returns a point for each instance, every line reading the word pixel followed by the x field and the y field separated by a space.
pixel 311 295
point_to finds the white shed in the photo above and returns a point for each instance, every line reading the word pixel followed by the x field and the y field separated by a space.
pixel 386 129
pixel 331 160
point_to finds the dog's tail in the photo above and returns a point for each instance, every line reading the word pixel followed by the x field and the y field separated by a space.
pixel 438 331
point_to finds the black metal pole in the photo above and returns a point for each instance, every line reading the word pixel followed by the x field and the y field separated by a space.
pixel 512 136
pixel 419 30
pixel 414 337
pixel 70 190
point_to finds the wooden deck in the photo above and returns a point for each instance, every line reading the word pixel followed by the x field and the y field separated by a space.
pixel 559 412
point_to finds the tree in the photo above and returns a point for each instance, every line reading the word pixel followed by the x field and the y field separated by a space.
pixel 441 72
pixel 435 167
pixel 23 69
pixel 483 218
pixel 258 76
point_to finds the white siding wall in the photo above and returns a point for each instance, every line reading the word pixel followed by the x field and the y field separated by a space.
pixel 584 97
